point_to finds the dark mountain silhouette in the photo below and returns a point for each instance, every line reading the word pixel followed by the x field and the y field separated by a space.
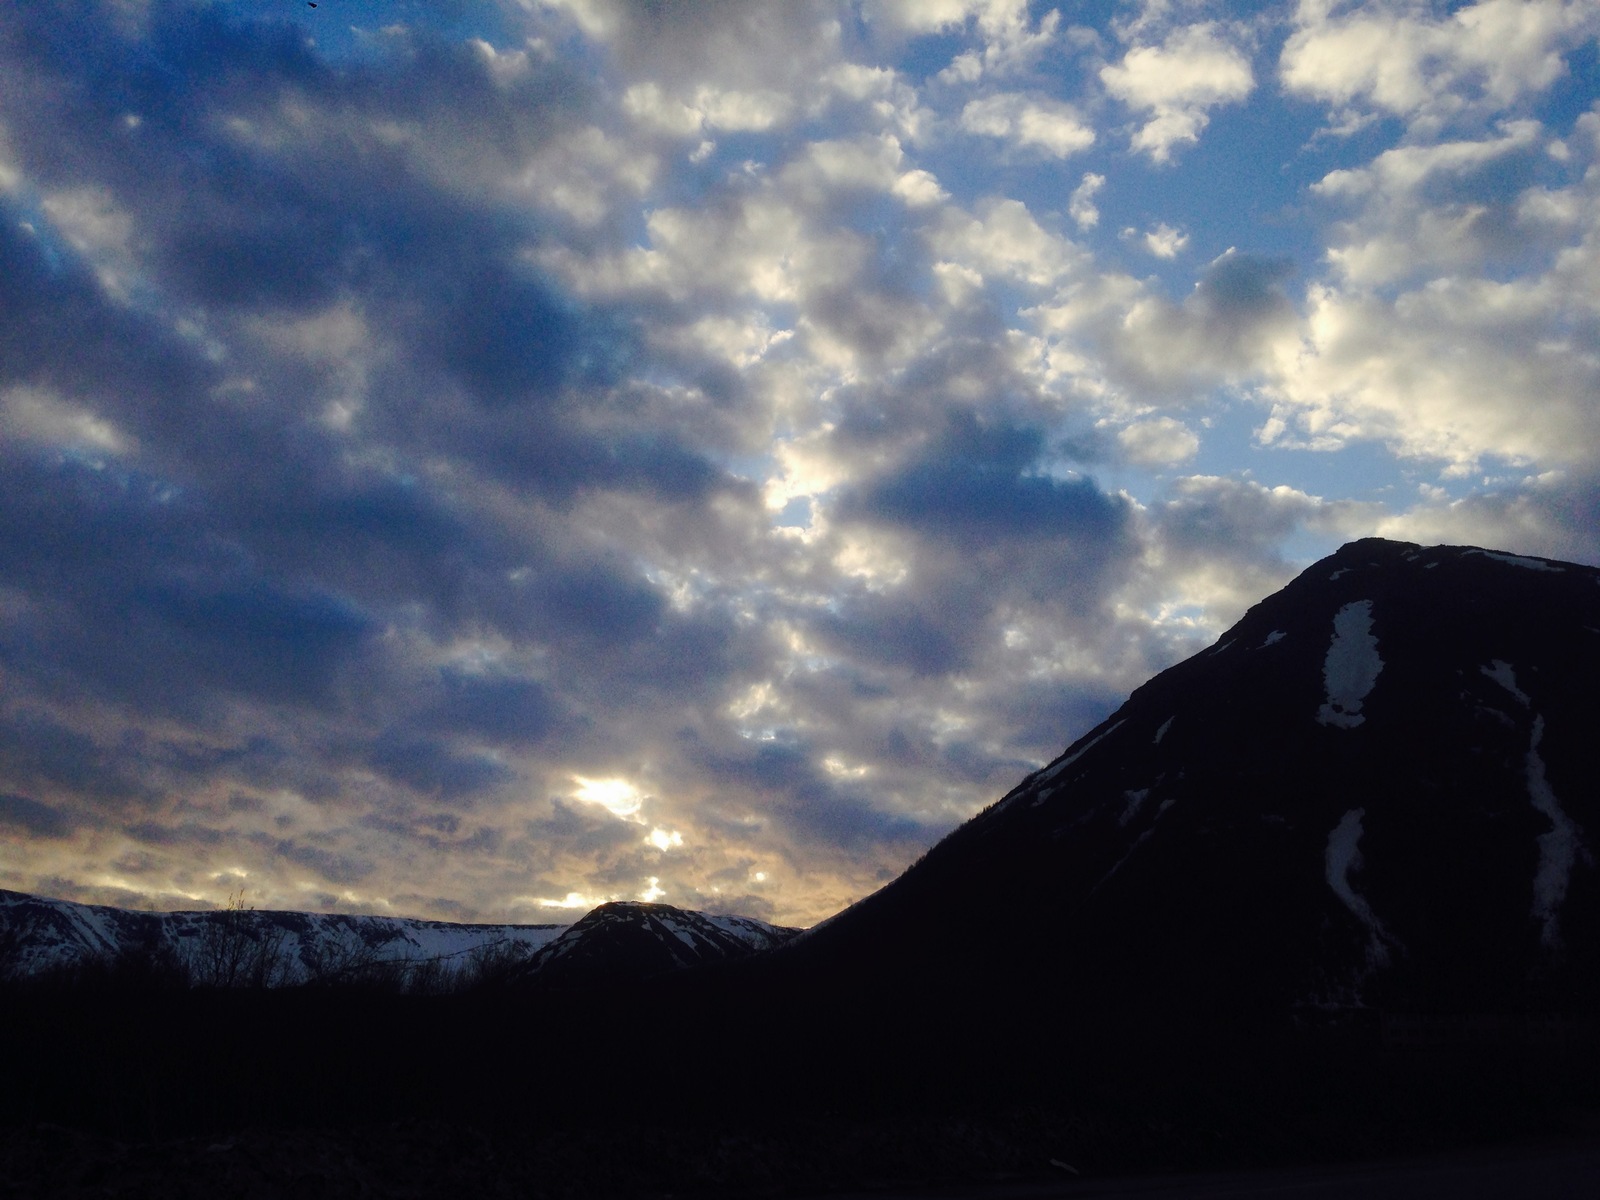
pixel 1379 789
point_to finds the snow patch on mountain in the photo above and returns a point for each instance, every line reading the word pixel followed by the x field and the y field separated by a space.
pixel 1518 560
pixel 1272 639
pixel 1342 858
pixel 1506 676
pixel 1558 849
pixel 1351 667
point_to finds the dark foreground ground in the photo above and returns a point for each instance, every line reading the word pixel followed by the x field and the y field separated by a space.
pixel 424 1160
pixel 1552 1168
pixel 121 1092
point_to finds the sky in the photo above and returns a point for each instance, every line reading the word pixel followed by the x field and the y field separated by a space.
pixel 480 458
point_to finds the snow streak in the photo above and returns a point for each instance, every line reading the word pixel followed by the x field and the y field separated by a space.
pixel 1518 560
pixel 1558 849
pixel 1343 857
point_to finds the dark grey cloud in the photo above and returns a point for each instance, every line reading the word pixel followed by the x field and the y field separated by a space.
pixel 23 814
pixel 327 864
pixel 433 768
pixel 1220 331
pixel 498 708
pixel 139 600
pixel 984 481
pixel 46 755
pixel 1240 291
pixel 569 830
pixel 809 805
pixel 187 833
pixel 930 636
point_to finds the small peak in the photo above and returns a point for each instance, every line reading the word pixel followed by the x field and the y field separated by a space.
pixel 1371 547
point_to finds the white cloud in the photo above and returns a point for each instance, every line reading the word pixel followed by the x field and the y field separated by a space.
pixel 1047 125
pixel 1003 238
pixel 1164 241
pixel 1232 327
pixel 858 164
pixel 930 16
pixel 1177 83
pixel 1081 205
pixel 38 415
pixel 1403 59
pixel 1160 442
pixel 1455 371
pixel 1415 342
pixel 1426 207
pixel 1011 44
pixel 892 100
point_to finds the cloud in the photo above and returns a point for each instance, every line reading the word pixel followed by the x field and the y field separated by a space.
pixel 1428 68
pixel 1164 241
pixel 1177 82
pixel 1162 441
pixel 1555 514
pixel 1232 325
pixel 1004 238
pixel 1045 125
pixel 1430 208
pixel 1081 204
pixel 977 481
pixel 27 816
pixel 1418 344
pixel 928 16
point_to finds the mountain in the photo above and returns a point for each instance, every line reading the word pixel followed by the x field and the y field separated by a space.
pixel 626 940
pixel 1379 790
pixel 244 946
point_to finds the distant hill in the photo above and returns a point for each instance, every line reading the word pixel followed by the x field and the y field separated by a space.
pixel 246 947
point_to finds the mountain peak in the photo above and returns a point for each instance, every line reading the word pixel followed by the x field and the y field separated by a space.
pixel 630 939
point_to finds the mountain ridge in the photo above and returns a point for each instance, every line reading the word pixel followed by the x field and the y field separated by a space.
pixel 238 946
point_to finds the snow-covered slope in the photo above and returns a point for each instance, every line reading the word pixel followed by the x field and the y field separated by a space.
pixel 1380 788
pixel 291 947
pixel 246 946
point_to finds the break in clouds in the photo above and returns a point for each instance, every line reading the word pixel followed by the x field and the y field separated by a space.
pixel 480 460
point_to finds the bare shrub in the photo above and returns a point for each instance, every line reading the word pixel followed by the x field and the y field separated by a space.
pixel 235 950
pixel 494 964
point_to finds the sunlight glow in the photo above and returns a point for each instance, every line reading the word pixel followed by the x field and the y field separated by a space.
pixel 618 796
pixel 665 839
pixel 654 892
